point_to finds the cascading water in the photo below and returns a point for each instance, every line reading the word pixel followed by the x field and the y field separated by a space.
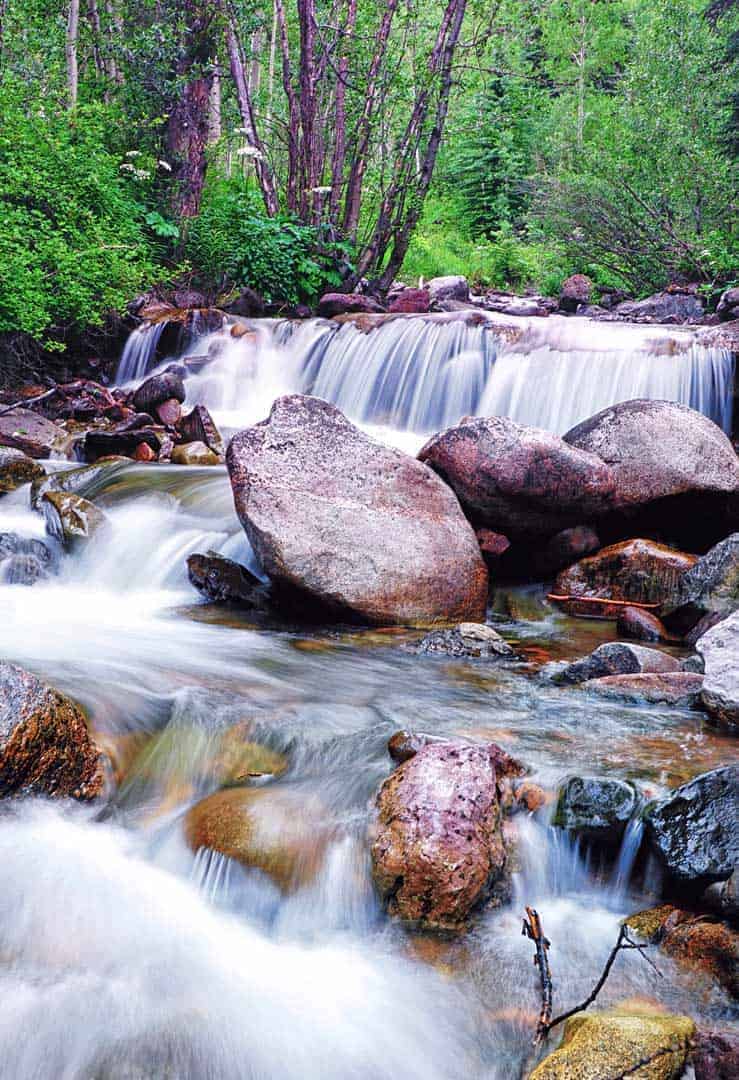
pixel 125 954
pixel 414 376
pixel 139 352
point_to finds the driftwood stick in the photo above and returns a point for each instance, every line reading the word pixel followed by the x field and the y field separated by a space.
pixel 532 929
pixel 27 402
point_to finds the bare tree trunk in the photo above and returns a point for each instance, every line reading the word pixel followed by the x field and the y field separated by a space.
pixel 215 128
pixel 93 16
pixel 272 54
pixel 188 127
pixel 293 167
pixel 115 29
pixel 337 165
pixel 238 74
pixel 73 26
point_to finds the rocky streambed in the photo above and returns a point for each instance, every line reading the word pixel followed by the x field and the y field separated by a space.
pixel 289 743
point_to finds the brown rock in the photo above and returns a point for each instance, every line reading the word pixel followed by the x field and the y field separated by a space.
pixel 352 526
pixel 679 688
pixel 198 426
pixel 518 480
pixel 277 829
pixel 639 570
pixel 618 658
pixel 530 796
pixel 347 304
pixel 222 580
pixel 576 290
pixel 492 545
pixel 33 434
pixel 17 469
pixel 193 453
pixel 410 301
pixel 144 452
pixel 70 518
pixel 697 942
pixel 565 548
pixel 169 412
pixel 643 625
pixel 438 848
pixel 45 747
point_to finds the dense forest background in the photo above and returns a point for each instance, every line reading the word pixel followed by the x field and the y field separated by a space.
pixel 296 146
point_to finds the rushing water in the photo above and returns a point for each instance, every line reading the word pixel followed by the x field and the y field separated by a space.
pixel 125 955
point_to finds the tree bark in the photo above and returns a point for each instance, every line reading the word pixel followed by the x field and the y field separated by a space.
pixel 339 157
pixel 73 25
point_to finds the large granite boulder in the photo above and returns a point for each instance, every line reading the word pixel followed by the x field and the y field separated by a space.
pixel 45 746
pixel 719 648
pixel 673 467
pixel 613 1044
pixel 641 571
pixel 33 434
pixel 520 481
pixel 695 831
pixel 352 526
pixel 17 469
pixel 437 848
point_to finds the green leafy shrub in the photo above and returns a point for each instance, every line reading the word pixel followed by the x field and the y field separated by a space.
pixel 73 244
pixel 235 244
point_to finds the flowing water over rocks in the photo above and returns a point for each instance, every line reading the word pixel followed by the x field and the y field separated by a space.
pixel 125 953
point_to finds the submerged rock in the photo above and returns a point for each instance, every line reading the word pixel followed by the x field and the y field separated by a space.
pixel 277 829
pixel 17 469
pixel 679 688
pixel 24 561
pixel 674 469
pixel 617 658
pixel 518 480
pixel 73 481
pixel 437 848
pixel 695 831
pixel 33 434
pixel 222 580
pixel 70 518
pixel 45 746
pixel 595 807
pixel 473 641
pixel 719 648
pixel 601 1046
pixel 193 453
pixel 638 570
pixel 354 527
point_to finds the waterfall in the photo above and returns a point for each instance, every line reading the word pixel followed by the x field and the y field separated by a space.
pixel 139 352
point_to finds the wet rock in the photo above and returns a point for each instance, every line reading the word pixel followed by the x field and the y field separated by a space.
pixel 437 849
pixel 723 897
pixel 154 391
pixel 410 301
pixel 527 306
pixel 565 548
pixel 719 648
pixel 576 290
pixel 634 622
pixel 73 481
pixel 711 586
pixel 198 426
pixel 404 745
pixel 193 453
pixel 103 444
pixel 277 829
pixel 169 412
pixel 530 796
pixel 144 453
pixel 694 664
pixel 17 469
pixel 449 287
pixel 617 658
pixel 715 1055
pixel 610 1044
pixel 728 306
pixel 518 480
pixel 33 434
pixel 45 747
pixel 472 641
pixel 70 519
pixel 693 941
pixel 668 307
pixel 222 580
pixel 249 304
pixel 352 526
pixel 595 808
pixel 695 831
pixel 674 469
pixel 679 688
pixel 332 304
pixel 638 570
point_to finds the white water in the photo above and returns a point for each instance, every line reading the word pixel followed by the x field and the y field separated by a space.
pixel 407 378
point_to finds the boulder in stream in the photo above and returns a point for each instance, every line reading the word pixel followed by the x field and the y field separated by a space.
pixel 437 846
pixel 332 304
pixel 45 746
pixel 617 658
pixel 711 586
pixel 520 481
pixel 70 519
pixel 636 622
pixel 719 648
pixel 681 689
pixel 17 469
pixel 165 386
pixel 675 471
pixel 193 453
pixel 670 307
pixel 33 434
pixel 224 581
pixel 350 526
pixel 103 444
pixel 595 807
pixel 199 426
pixel 612 1044
pixel 695 831
pixel 24 560
pixel 449 287
pixel 469 641
pixel 694 941
pixel 636 570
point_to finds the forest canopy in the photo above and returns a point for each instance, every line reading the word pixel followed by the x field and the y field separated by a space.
pixel 295 146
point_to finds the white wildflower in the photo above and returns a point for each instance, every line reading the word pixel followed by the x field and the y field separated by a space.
pixel 142 174
pixel 126 166
pixel 164 165
pixel 133 153
pixel 321 190
pixel 251 152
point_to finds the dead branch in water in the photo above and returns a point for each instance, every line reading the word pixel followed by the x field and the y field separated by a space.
pixel 532 929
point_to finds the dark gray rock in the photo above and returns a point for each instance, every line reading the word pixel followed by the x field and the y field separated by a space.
pixel 595 807
pixel 158 389
pixel 663 307
pixel 224 581
pixel 695 831
pixel 617 658
pixel 712 585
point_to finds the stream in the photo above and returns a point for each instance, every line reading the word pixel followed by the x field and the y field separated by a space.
pixel 126 955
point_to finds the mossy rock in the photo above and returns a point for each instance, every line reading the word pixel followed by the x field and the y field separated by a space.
pixel 17 469
pixel 71 519
pixel 603 1046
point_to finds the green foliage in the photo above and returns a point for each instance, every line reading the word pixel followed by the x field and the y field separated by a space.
pixel 236 244
pixel 72 244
